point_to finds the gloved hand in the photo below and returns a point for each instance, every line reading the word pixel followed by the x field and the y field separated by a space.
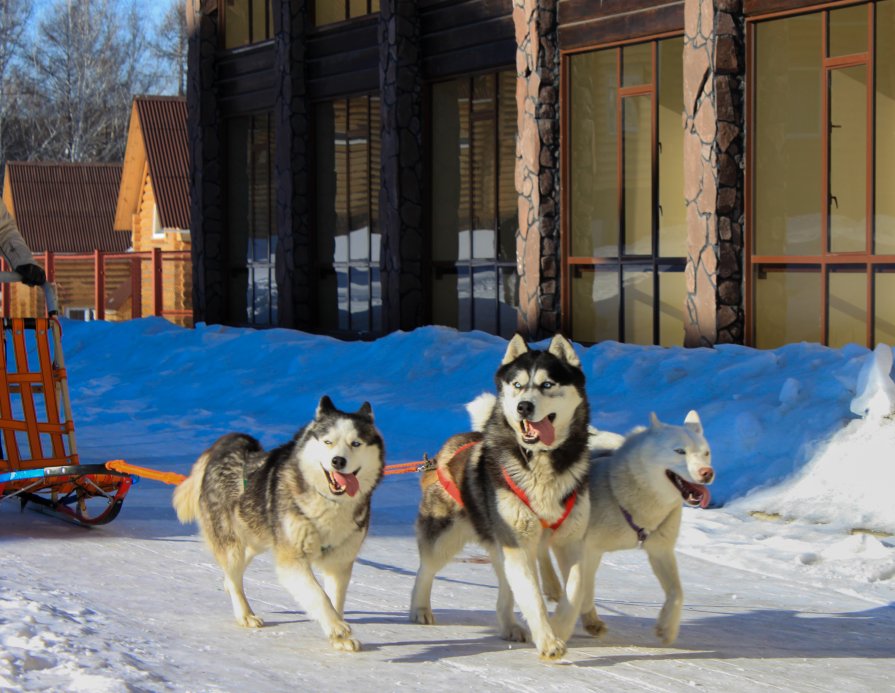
pixel 32 275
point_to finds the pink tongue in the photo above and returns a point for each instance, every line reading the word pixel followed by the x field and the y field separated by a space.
pixel 706 497
pixel 346 481
pixel 544 429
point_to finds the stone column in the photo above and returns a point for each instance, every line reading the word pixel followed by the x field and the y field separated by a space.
pixel 537 166
pixel 714 65
pixel 292 167
pixel 401 194
pixel 204 126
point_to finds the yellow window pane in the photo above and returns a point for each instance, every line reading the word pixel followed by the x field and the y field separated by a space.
pixel 788 138
pixel 672 210
pixel 787 306
pixel 595 304
pixel 638 294
pixel 884 309
pixel 672 295
pixel 848 30
pixel 847 318
pixel 593 152
pixel 884 240
pixel 357 8
pixel 259 21
pixel 328 11
pixel 848 159
pixel 236 23
pixel 637 64
pixel 638 174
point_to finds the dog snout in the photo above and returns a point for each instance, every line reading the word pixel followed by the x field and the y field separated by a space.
pixel 706 474
pixel 339 463
pixel 525 409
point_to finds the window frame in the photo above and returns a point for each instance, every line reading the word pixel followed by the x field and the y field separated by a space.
pixel 467 320
pixel 621 261
pixel 826 261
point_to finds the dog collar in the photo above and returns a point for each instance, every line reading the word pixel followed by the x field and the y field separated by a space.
pixel 515 488
pixel 642 534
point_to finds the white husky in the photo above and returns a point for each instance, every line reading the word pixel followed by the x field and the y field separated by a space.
pixel 636 496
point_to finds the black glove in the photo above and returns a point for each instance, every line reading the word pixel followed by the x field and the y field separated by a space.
pixel 32 275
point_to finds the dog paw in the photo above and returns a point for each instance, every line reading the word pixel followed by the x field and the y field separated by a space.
pixel 422 615
pixel 345 644
pixel 667 633
pixel 514 633
pixel 250 621
pixel 551 649
pixel 339 631
pixel 593 625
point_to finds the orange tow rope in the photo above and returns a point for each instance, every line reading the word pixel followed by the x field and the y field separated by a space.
pixel 172 478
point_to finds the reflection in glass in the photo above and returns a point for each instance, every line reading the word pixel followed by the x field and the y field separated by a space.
pixel 847 321
pixel 637 64
pixel 638 174
pixel 593 154
pixel 348 242
pixel 788 139
pixel 884 310
pixel 848 159
pixel 787 305
pixel 672 297
pixel 638 293
pixel 848 30
pixel 884 227
pixel 595 303
pixel 672 210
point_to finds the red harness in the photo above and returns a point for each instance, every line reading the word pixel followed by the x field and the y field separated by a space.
pixel 454 492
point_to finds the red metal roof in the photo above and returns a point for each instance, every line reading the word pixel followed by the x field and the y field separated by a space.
pixel 163 120
pixel 66 207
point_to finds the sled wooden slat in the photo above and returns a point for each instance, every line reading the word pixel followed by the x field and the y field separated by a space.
pixel 30 411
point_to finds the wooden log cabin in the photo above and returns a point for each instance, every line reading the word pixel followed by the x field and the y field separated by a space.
pixel 664 172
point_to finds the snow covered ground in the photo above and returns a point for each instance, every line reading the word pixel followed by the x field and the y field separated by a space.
pixel 789 577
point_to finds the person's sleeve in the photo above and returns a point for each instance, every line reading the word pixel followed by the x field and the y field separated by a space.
pixel 12 245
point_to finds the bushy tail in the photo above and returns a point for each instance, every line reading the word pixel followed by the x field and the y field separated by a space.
pixel 480 410
pixel 186 495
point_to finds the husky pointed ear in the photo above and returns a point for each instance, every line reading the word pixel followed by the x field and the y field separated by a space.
pixel 562 349
pixel 515 349
pixel 654 420
pixel 325 407
pixel 366 411
pixel 693 422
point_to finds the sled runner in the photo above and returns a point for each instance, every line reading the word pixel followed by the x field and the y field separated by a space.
pixel 39 461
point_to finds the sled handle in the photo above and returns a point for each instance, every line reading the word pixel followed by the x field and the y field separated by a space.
pixel 49 291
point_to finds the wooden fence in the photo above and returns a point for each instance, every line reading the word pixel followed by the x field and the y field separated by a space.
pixel 110 286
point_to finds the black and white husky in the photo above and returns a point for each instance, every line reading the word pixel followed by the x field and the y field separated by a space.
pixel 308 500
pixel 521 480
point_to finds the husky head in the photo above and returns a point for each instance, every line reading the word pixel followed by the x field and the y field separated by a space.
pixel 679 458
pixel 343 454
pixel 541 393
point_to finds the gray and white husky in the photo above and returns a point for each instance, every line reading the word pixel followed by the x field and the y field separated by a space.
pixel 637 493
pixel 308 500
pixel 520 479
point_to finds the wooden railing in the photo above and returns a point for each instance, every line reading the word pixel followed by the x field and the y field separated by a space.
pixel 114 286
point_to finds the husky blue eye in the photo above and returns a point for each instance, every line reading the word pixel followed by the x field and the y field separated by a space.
pixel 328 443
pixel 517 385
pixel 355 443
pixel 546 385
pixel 680 451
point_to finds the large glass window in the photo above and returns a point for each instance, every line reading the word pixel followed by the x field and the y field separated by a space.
pixel 330 11
pixel 822 219
pixel 474 207
pixel 347 215
pixel 247 22
pixel 626 239
pixel 250 217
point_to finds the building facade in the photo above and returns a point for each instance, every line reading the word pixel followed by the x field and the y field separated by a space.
pixel 693 172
